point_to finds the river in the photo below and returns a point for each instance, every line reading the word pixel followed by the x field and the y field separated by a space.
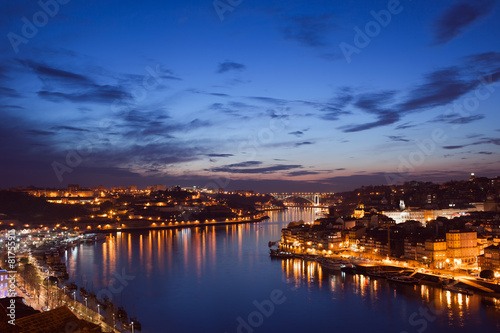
pixel 221 279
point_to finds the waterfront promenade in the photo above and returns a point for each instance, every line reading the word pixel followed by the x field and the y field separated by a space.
pixel 45 299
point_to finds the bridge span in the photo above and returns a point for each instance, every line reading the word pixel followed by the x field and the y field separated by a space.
pixel 312 197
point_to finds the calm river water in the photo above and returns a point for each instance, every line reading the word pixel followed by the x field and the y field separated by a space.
pixel 221 279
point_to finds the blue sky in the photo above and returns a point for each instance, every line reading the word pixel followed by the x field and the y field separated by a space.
pixel 265 95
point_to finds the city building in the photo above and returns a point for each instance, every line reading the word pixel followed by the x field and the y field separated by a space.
pixel 156 188
pixel 4 283
pixel 461 247
pixel 408 214
pixel 435 253
pixel 490 259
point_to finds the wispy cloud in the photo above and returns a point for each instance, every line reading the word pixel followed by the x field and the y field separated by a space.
pixel 438 88
pixel 456 18
pixel 8 92
pixel 228 65
pixel 492 141
pixel 220 155
pixel 301 173
pixel 69 128
pixel 458 119
pixel 246 168
pixel 305 143
pixel 398 138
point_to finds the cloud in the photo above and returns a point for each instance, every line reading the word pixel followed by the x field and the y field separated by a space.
pixel 439 88
pixel 156 124
pixel 45 72
pixel 227 66
pixel 12 107
pixel 296 133
pixel 39 132
pixel 458 17
pixel 8 92
pixel 455 147
pixel 492 141
pixel 242 168
pixel 485 152
pixel 405 126
pixel 384 119
pixel 332 113
pixel 309 31
pixel 62 85
pixel 301 173
pixel 244 164
pixel 398 138
pixel 457 119
pixel 298 144
pixel 270 100
pixel 374 103
pixel 220 155
pixel 69 128
pixel 354 181
pixel 103 94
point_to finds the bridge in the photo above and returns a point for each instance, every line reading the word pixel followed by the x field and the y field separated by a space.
pixel 314 198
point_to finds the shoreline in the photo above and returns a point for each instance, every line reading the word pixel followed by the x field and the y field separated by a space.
pixel 424 278
pixel 177 225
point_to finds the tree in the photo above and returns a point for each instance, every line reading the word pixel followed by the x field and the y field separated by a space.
pixel 487 274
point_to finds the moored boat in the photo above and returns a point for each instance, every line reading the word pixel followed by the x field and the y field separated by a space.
pixel 331 264
pixel 403 279
pixel 459 290
pixel 348 268
pixel 276 253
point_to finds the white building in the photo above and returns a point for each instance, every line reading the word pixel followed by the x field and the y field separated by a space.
pixel 406 215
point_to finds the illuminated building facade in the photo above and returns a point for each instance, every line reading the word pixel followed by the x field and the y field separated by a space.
pixel 461 246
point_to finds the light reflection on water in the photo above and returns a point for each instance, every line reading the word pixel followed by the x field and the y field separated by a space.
pixel 445 307
pixel 214 274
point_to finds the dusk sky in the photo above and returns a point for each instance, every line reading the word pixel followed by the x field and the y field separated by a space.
pixel 253 94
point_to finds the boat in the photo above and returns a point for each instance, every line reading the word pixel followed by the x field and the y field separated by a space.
pixel 403 279
pixel 348 268
pixel 275 253
pixel 459 290
pixel 378 274
pixel 98 237
pixel 331 264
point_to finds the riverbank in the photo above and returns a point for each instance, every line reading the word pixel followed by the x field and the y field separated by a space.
pixel 400 274
pixel 131 225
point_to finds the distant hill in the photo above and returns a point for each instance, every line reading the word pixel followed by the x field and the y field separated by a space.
pixel 29 209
